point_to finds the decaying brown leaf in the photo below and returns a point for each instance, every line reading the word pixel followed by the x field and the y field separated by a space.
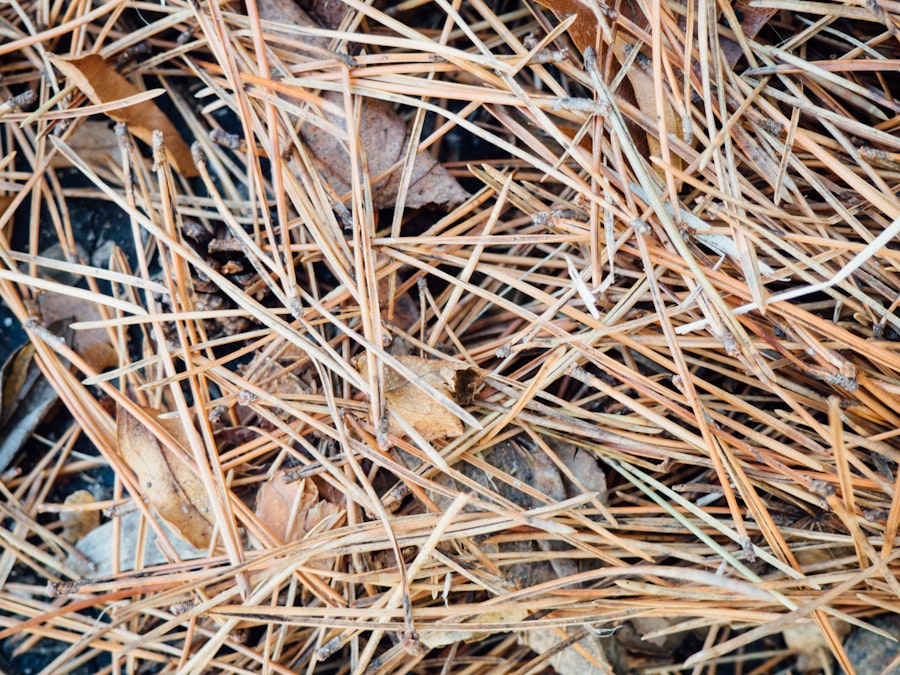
pixel 92 345
pixel 26 397
pixel 519 473
pixel 405 312
pixel 623 329
pixel 752 19
pixel 584 28
pixel 94 141
pixel 168 483
pixel 330 13
pixel 634 635
pixel 383 133
pixel 277 379
pixel 102 84
pixel 584 33
pixel 5 202
pixel 78 523
pixel 426 415
pixel 584 466
pixel 291 510
pixel 642 85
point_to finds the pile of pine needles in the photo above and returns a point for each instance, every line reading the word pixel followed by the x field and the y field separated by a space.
pixel 628 361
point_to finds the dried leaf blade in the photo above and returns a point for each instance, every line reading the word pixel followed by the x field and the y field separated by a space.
pixel 383 134
pixel 290 510
pixel 169 484
pixel 426 415
pixel 102 84
pixel 78 523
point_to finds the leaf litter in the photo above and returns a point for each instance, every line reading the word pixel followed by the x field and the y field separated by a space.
pixel 101 83
pixel 292 510
pixel 633 385
pixel 427 416
pixel 383 135
pixel 78 523
pixel 165 479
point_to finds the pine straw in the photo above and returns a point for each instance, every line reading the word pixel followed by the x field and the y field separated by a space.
pixel 744 405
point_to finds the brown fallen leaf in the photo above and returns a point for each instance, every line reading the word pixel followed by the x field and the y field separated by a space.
pixel 584 466
pixel 292 510
pixel 26 398
pixel 78 523
pixel 383 132
pixel 584 29
pixel 426 415
pixel 58 252
pixel 168 484
pixel 277 379
pixel 94 141
pixel 464 383
pixel 100 82
pixel 5 202
pixel 330 13
pixel 92 345
pixel 584 33
pixel 632 635
pixel 752 19
pixel 642 85
pixel 406 312
pixel 532 467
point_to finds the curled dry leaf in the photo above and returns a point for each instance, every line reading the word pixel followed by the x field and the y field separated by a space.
pixel 291 510
pixel 166 481
pixel 426 415
pixel 102 84
pixel 383 132
pixel 78 523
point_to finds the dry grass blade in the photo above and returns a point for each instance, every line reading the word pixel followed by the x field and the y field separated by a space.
pixel 454 320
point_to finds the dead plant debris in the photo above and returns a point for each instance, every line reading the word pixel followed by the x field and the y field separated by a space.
pixel 448 337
